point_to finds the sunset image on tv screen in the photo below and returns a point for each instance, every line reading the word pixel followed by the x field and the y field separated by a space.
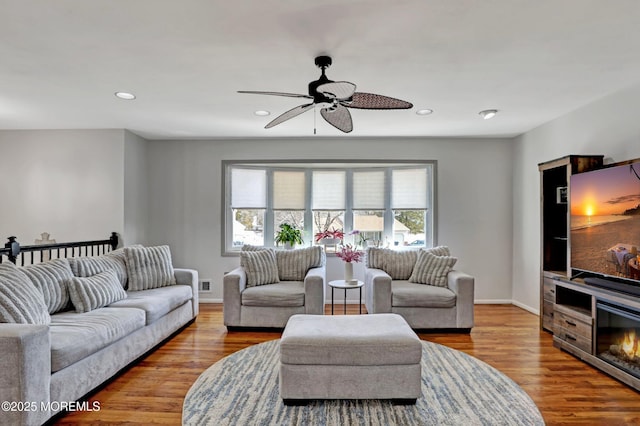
pixel 605 220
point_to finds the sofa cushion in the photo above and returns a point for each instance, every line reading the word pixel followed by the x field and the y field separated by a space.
pixel 149 267
pixel 431 269
pixel 289 293
pixel 50 279
pixel 349 340
pixel 412 295
pixel 156 302
pixel 75 336
pixel 95 292
pixel 20 300
pixel 261 267
pixel 293 265
pixel 89 266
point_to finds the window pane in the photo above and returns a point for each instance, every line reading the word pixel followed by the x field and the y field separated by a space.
pixel 288 190
pixel 370 228
pixel 368 189
pixel 329 190
pixel 248 226
pixel 294 218
pixel 248 188
pixel 327 220
pixel 409 189
pixel 408 228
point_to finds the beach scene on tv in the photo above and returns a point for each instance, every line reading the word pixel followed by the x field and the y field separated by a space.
pixel 605 221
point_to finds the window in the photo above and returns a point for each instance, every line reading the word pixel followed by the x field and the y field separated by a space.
pixel 390 203
pixel 248 206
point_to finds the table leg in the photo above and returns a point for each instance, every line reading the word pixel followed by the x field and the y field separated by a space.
pixel 360 305
pixel 331 300
pixel 345 301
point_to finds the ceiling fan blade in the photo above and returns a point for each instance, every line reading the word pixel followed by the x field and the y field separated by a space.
pixel 371 101
pixel 290 95
pixel 294 112
pixel 338 89
pixel 339 117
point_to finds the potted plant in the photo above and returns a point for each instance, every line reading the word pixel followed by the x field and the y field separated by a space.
pixel 329 237
pixel 288 235
pixel 349 254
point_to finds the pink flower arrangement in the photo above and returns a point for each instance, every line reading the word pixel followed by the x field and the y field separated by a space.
pixel 349 254
pixel 334 233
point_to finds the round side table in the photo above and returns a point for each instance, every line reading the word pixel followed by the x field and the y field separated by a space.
pixel 342 284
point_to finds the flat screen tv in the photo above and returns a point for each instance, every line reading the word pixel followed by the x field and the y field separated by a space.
pixel 605 226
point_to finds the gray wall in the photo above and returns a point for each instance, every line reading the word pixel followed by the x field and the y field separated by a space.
pixel 474 198
pixel 135 189
pixel 609 126
pixel 65 182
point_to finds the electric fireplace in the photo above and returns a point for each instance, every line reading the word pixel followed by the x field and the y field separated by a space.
pixel 618 337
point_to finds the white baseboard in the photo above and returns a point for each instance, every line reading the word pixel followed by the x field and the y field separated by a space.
pixel 492 302
pixel 527 308
pixel 209 300
pixel 355 302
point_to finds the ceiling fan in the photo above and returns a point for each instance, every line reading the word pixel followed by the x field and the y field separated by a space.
pixel 334 97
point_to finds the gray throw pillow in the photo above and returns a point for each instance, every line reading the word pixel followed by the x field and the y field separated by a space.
pixel 431 269
pixel 89 266
pixel 261 267
pixel 50 279
pixel 375 257
pixel 294 264
pixel 438 251
pixel 399 264
pixel 149 267
pixel 95 292
pixel 20 300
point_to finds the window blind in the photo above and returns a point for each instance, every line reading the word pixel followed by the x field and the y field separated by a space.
pixel 328 190
pixel 288 190
pixel 248 188
pixel 368 190
pixel 409 189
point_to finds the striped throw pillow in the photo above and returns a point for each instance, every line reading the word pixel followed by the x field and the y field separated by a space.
pixel 438 251
pixel 375 257
pixel 50 279
pixel 149 267
pixel 261 267
pixel 431 269
pixel 88 266
pixel 399 264
pixel 95 292
pixel 20 300
pixel 293 265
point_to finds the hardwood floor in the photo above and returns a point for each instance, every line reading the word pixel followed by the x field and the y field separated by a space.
pixel 566 390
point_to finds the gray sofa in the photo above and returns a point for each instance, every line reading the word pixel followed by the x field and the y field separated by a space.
pixel 265 293
pixel 393 283
pixel 49 365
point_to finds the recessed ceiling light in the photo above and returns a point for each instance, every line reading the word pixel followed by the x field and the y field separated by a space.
pixel 125 95
pixel 488 113
pixel 262 113
pixel 424 111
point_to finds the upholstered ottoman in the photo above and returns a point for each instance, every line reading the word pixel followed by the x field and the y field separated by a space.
pixel 349 357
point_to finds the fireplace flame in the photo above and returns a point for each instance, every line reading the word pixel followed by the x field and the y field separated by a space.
pixel 629 344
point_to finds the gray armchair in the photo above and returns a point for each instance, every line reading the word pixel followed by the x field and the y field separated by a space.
pixel 271 305
pixel 423 306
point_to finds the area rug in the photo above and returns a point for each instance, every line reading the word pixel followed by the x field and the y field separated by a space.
pixel 457 389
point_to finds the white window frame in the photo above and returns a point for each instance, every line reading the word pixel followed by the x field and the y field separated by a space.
pixel 308 166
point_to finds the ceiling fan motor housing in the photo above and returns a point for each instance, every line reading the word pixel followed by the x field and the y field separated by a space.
pixel 322 62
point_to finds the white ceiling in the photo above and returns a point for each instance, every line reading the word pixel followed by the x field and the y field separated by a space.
pixel 61 62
